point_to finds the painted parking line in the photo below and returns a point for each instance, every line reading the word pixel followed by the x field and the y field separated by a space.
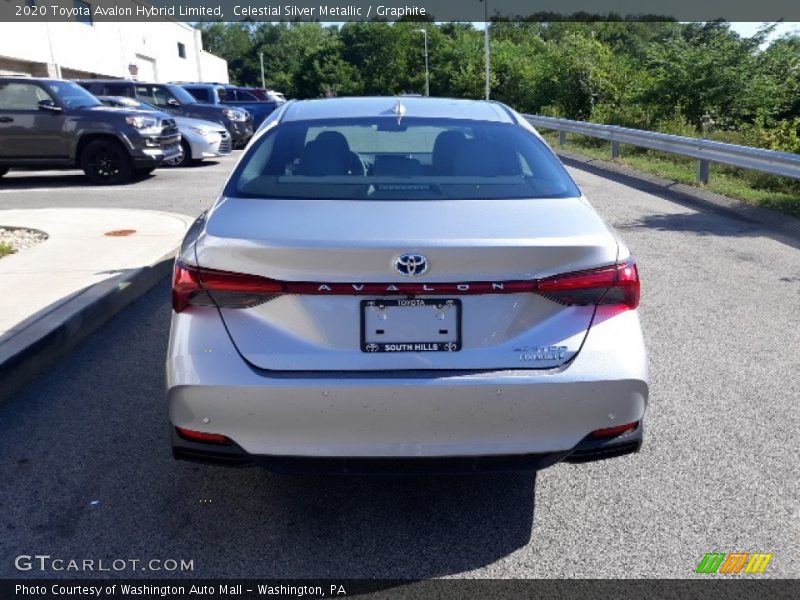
pixel 67 188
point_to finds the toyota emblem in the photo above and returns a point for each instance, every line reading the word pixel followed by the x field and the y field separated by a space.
pixel 411 264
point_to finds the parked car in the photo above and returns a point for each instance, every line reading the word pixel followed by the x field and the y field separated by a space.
pixel 260 93
pixel 411 282
pixel 270 95
pixel 178 102
pixel 199 139
pixel 230 95
pixel 52 123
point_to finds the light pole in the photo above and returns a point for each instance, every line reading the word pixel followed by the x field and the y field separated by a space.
pixel 261 58
pixel 427 73
pixel 487 59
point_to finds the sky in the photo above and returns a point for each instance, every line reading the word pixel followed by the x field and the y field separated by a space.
pixel 749 29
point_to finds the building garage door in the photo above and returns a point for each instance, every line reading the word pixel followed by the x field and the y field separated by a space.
pixel 146 68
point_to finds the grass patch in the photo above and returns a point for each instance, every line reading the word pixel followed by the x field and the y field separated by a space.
pixel 6 249
pixel 778 193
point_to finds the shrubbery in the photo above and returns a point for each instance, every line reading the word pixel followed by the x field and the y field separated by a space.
pixel 694 79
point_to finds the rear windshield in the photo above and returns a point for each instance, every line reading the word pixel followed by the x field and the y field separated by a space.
pixel 381 158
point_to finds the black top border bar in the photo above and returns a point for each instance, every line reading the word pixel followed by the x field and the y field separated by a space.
pixel 395 10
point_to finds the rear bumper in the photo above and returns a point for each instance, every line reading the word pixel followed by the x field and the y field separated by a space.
pixel 233 455
pixel 409 415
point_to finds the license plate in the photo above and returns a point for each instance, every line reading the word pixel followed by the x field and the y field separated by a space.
pixel 411 325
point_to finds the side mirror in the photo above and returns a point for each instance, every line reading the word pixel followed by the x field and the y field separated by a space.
pixel 49 105
pixel 173 102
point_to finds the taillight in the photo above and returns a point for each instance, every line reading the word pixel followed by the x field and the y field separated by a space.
pixel 193 286
pixel 617 284
pixel 196 286
pixel 202 436
pixel 610 432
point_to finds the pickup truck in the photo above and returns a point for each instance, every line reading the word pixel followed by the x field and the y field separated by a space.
pixel 231 95
pixel 56 124
pixel 177 101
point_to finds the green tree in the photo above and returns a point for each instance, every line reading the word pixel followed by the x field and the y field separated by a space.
pixel 457 63
pixel 703 71
pixel 286 46
pixel 387 56
pixel 324 71
pixel 578 73
pixel 676 77
pixel 234 43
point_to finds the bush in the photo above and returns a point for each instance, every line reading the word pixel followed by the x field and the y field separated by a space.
pixel 784 136
pixel 677 124
pixel 630 115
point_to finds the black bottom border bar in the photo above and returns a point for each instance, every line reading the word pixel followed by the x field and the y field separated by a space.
pixel 735 587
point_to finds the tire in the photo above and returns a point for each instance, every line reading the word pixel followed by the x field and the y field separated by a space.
pixel 183 162
pixel 3 171
pixel 106 162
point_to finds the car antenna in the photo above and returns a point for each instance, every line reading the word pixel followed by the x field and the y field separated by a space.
pixel 399 110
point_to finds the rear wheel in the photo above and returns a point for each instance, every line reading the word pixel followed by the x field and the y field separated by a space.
pixel 185 161
pixel 106 162
pixel 3 171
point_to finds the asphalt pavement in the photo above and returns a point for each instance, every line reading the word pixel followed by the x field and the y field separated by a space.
pixel 87 472
pixel 188 191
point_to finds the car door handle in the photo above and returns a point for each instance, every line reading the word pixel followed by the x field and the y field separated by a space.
pixel 6 120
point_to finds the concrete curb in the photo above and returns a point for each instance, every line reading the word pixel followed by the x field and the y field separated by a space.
pixel 786 226
pixel 49 335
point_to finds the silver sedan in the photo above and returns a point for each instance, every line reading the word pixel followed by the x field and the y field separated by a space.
pixel 199 139
pixel 403 283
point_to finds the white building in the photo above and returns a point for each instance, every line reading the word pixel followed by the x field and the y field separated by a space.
pixel 146 51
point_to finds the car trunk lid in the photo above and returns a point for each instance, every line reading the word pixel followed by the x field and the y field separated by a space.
pixel 344 253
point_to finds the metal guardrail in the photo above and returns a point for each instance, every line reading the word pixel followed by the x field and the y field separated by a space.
pixel 705 151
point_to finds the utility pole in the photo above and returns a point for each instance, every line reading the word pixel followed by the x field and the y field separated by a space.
pixel 487 58
pixel 261 57
pixel 427 72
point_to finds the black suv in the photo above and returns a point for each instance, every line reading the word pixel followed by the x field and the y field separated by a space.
pixel 177 101
pixel 52 123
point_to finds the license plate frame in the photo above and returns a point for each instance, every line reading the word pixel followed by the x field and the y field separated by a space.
pixel 452 343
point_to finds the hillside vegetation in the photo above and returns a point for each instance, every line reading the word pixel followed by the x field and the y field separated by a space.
pixel 695 79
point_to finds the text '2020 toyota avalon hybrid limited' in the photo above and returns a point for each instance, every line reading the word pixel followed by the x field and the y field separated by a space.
pixel 386 283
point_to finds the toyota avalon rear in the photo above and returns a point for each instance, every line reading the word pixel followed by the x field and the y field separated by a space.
pixel 388 284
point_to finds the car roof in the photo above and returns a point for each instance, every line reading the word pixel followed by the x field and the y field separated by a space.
pixel 125 81
pixel 203 84
pixel 425 107
pixel 27 79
